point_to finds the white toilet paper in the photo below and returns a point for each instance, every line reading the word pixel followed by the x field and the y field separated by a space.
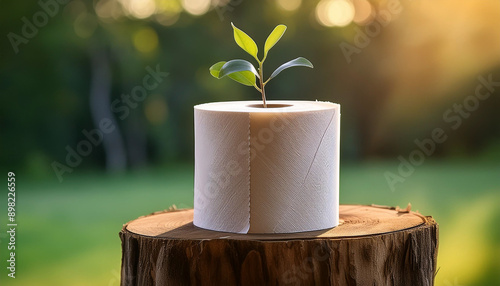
pixel 266 170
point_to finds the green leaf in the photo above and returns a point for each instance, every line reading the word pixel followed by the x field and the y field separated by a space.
pixel 273 38
pixel 215 69
pixel 237 66
pixel 245 42
pixel 243 77
pixel 300 61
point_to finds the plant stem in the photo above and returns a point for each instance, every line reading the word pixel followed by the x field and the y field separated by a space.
pixel 261 73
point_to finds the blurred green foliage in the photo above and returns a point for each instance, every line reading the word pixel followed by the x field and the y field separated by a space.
pixel 46 86
pixel 406 70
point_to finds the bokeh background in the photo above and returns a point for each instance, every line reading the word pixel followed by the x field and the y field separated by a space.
pixel 400 70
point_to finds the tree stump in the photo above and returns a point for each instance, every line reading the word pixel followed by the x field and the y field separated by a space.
pixel 373 245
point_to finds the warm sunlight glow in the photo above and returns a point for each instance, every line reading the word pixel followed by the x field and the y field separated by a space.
pixel 289 5
pixel 156 110
pixel 322 13
pixel 168 6
pixel 196 7
pixel 335 13
pixel 141 9
pixel 459 243
pixel 340 12
pixel 104 8
pixel 85 25
pixel 145 40
pixel 167 12
pixel 167 19
pixel 363 12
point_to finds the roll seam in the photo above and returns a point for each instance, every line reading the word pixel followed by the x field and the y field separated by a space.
pixel 249 171
pixel 319 145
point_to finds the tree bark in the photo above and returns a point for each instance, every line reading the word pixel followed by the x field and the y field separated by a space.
pixel 373 245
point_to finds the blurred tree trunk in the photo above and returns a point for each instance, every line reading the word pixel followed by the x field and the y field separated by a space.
pixel 134 127
pixel 100 108
pixel 136 141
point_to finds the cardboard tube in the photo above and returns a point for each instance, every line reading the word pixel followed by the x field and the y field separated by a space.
pixel 266 170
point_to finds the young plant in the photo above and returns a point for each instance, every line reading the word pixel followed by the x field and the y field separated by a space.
pixel 244 72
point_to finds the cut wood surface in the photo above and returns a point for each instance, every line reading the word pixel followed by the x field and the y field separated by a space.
pixel 373 245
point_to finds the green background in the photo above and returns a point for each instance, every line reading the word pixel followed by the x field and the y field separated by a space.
pixel 400 69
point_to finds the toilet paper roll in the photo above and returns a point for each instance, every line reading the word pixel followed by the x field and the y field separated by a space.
pixel 266 170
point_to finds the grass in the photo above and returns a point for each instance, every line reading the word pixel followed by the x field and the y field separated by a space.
pixel 67 232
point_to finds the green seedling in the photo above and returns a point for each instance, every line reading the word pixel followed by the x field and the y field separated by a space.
pixel 244 72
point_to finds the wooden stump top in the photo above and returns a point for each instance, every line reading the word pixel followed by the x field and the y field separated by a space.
pixel 373 245
pixel 355 221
